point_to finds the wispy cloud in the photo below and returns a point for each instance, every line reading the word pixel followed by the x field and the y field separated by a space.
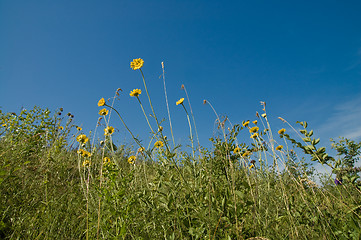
pixel 357 63
pixel 345 121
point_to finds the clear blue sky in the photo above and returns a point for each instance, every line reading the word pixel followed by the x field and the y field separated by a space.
pixel 303 58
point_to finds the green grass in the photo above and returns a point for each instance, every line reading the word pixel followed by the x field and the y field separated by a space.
pixel 241 188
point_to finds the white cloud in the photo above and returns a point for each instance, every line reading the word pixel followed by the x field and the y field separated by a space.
pixel 345 121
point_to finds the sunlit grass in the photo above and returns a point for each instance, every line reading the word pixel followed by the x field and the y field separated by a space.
pixel 58 181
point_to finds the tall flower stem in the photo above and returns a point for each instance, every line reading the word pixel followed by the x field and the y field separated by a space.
pixel 166 100
pixel 154 115
pixel 146 117
pixel 194 121
pixel 190 128
pixel 156 119
pixel 125 125
pixel 219 120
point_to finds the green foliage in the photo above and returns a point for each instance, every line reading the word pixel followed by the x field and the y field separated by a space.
pixel 47 193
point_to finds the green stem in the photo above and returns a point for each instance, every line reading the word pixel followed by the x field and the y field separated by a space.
pixel 190 128
pixel 166 100
pixel 194 121
pixel 125 125
pixel 146 117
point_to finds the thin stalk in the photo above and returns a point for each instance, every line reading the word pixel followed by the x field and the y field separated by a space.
pixel 156 119
pixel 190 129
pixel 219 120
pixel 125 125
pixel 146 117
pixel 166 100
pixel 194 121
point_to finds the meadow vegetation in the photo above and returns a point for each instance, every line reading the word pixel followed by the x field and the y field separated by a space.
pixel 57 182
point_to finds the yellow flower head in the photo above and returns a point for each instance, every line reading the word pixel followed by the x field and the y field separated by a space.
pixel 250 167
pixel 135 93
pixel 4 125
pixel 137 63
pixel 106 160
pixel 86 153
pixel 246 154
pixel 79 128
pixel 108 131
pixel 86 163
pixel 254 129
pixel 255 135
pixel 282 131
pixel 160 129
pixel 82 138
pixel 279 148
pixel 61 128
pixel 80 151
pixel 103 112
pixel 131 159
pixel 180 101
pixel 101 102
pixel 158 144
pixel 255 122
pixel 264 115
pixel 245 124
pixel 236 150
pixel 141 149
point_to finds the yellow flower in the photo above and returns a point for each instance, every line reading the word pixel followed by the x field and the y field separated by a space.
pixel 246 154
pixel 255 135
pixel 103 112
pixel 82 138
pixel 108 131
pixel 252 166
pixel 86 154
pixel 279 148
pixel 236 150
pixel 255 122
pixel 106 160
pixel 180 101
pixel 131 159
pixel 282 131
pixel 101 102
pixel 80 151
pixel 4 125
pixel 79 128
pixel 160 129
pixel 86 163
pixel 61 128
pixel 135 93
pixel 245 124
pixel 264 115
pixel 141 149
pixel 158 144
pixel 137 63
pixel 254 129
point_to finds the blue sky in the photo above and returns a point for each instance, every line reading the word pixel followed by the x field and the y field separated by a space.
pixel 303 58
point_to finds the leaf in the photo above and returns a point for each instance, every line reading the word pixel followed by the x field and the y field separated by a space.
pixel 239 193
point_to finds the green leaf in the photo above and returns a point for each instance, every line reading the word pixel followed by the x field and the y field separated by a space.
pixel 310 133
pixel 239 193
